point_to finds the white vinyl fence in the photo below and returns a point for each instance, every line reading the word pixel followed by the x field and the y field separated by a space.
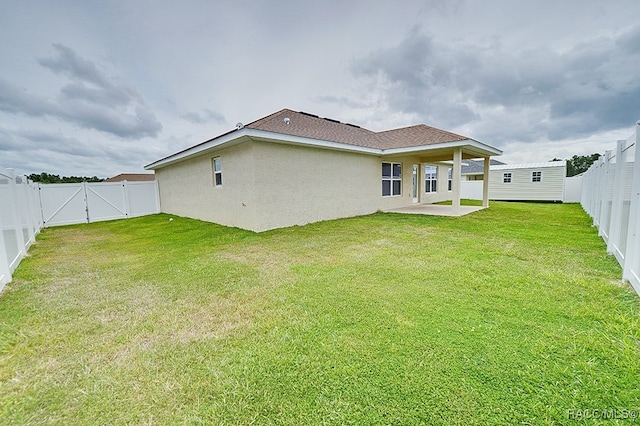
pixel 611 196
pixel 67 203
pixel 27 207
pixel 20 221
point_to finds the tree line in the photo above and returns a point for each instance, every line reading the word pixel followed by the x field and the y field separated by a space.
pixel 49 178
pixel 579 163
pixel 575 165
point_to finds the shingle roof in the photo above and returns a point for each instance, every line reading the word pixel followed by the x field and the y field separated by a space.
pixel 474 167
pixel 416 136
pixel 311 126
pixel 132 177
pixel 293 125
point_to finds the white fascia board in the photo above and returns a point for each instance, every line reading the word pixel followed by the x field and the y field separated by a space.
pixel 244 134
pixel 229 139
pixel 479 146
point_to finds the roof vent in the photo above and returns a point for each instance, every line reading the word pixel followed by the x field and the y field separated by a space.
pixel 239 125
pixel 287 120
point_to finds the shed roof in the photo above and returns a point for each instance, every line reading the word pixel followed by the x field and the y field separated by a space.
pixel 529 165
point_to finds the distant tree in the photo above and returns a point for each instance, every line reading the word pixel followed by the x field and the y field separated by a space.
pixel 580 163
pixel 49 178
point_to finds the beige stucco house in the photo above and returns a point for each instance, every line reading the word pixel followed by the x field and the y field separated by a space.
pixel 293 168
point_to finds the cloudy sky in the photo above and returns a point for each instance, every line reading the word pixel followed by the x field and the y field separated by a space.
pixel 104 87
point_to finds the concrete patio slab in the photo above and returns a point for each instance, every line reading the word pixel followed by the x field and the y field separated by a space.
pixel 435 210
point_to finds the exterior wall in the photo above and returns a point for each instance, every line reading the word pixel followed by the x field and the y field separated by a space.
pixel 442 184
pixel 270 185
pixel 522 189
pixel 298 185
pixel 406 198
pixel 187 188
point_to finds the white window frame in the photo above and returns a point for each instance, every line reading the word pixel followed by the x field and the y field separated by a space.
pixel 217 171
pixel 449 178
pixel 507 175
pixel 391 179
pixel 430 179
pixel 534 178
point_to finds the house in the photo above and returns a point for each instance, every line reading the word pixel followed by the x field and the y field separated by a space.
pixel 474 169
pixel 528 182
pixel 293 168
pixel 132 177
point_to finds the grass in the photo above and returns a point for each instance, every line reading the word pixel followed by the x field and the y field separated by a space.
pixel 511 315
pixel 463 202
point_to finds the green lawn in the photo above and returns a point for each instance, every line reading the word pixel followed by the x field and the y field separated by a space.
pixel 511 315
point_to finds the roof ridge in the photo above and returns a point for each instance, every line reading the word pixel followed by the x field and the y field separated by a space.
pixel 422 125
pixel 268 116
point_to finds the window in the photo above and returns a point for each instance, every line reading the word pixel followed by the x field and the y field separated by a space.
pixel 391 179
pixel 430 179
pixel 217 172
pixel 506 178
pixel 449 175
pixel 536 176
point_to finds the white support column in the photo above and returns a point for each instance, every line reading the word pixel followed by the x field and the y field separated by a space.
pixel 456 175
pixel 485 182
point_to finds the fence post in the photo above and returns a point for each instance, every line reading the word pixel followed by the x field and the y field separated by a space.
pixel 585 191
pixel 16 215
pixel 597 194
pixel 86 200
pixel 632 255
pixel 5 270
pixel 615 221
pixel 590 188
pixel 30 213
pixel 156 187
pixel 127 204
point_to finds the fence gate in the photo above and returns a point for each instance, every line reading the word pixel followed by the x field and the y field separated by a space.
pixel 68 203
pixel 105 201
pixel 63 203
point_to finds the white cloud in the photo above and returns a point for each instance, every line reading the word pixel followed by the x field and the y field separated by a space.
pixel 101 88
pixel 500 95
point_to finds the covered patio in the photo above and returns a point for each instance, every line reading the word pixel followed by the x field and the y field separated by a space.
pixel 444 156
